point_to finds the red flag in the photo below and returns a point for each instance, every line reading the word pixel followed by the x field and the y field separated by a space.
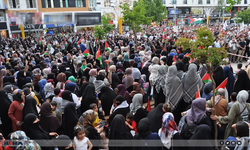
pixel 86 52
pixel 49 42
pixel 164 48
pixel 98 54
pixel 191 19
pixel 106 45
pixel 79 41
pixel 197 93
pixel 149 106
pixel 187 55
pixel 174 59
pixel 223 84
pixel 206 78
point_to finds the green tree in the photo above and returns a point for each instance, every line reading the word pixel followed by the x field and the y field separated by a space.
pixel 221 4
pixel 155 9
pixel 102 30
pixel 135 17
pixel 231 3
pixel 209 57
pixel 243 16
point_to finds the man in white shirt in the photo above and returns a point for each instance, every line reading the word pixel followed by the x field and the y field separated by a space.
pixel 232 48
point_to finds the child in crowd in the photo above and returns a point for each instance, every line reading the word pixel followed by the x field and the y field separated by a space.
pixel 131 124
pixel 57 98
pixel 101 113
pixel 94 107
pixel 56 111
pixel 233 100
pixel 81 142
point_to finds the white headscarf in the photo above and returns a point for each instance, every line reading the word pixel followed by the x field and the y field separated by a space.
pixel 242 98
pixel 137 103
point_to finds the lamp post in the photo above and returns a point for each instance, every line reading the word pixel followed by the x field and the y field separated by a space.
pixel 223 9
pixel 175 15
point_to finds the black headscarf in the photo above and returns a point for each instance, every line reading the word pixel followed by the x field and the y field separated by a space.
pixel 82 89
pixel 21 79
pixel 118 129
pixel 219 76
pixel 51 76
pixel 88 97
pixel 155 118
pixel 242 83
pixel 62 140
pixel 143 128
pixel 67 95
pixel 70 119
pixel 11 79
pixel 34 130
pixel 30 106
pixel 107 98
pixel 4 108
pixel 185 60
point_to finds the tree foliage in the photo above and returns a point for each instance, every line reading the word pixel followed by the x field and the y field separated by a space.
pixel 221 4
pixel 135 17
pixel 102 30
pixel 183 42
pixel 155 9
pixel 243 16
pixel 231 3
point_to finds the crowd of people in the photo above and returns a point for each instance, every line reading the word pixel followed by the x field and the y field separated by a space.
pixel 56 88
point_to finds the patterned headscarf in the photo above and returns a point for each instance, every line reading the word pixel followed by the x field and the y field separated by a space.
pixel 89 115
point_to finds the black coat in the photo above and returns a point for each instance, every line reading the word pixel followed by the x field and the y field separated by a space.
pixel 122 111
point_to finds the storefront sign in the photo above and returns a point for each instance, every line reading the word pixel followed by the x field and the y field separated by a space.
pixel 27 27
pixel 83 19
pixel 59 25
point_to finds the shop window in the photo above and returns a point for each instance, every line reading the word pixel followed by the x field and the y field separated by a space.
pixel 208 1
pixel 200 2
pixel 14 4
pixel 31 3
pixel 184 1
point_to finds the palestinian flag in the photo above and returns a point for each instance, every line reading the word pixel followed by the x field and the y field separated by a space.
pixel 107 47
pixel 40 41
pixel 149 106
pixel 164 47
pixel 185 29
pixel 98 56
pixel 187 55
pixel 197 93
pixel 70 39
pixel 164 39
pixel 79 42
pixel 174 59
pixel 206 78
pixel 66 43
pixel 86 52
pixel 222 85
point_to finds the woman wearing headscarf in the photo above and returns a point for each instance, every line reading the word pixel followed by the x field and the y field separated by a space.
pixel 49 91
pixel 155 117
pixel 136 89
pixel 219 76
pixel 144 134
pixel 86 119
pixel 70 119
pixel 126 61
pixel 242 83
pixel 82 89
pixel 168 130
pixel 174 92
pixel 190 82
pixel 16 108
pixel 66 98
pixel 180 69
pixel 46 71
pixel 185 60
pixel 239 111
pixel 4 108
pixel 21 79
pixel 99 83
pixel 72 78
pixel 119 131
pixel 230 82
pixel 88 97
pixel 48 120
pixel 159 84
pixel 30 106
pixel 207 91
pixel 120 107
pixel 111 56
pixel 113 77
pixel 153 69
pixel 3 73
pixel 61 78
pixel 107 97
pixel 42 84
pixel 123 92
pixel 92 75
pixel 128 80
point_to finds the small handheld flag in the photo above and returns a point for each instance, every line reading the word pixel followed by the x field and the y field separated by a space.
pixel 86 52
pixel 198 92
pixel 149 106
pixel 107 47
pixel 206 78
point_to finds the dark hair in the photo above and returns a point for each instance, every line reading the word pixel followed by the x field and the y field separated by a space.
pixel 36 87
pixel 242 129
pixel 92 106
pixel 57 91
pixel 135 65
pixel 233 96
pixel 130 116
pixel 53 103
pixel 167 107
pixel 84 60
pixel 79 128
pixel 239 66
pixel 26 91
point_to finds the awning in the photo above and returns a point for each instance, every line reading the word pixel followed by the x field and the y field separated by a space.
pixel 58 25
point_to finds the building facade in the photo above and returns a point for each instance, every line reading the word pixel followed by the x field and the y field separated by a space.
pixel 182 9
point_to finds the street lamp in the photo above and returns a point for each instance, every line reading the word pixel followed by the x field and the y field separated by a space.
pixel 223 9
pixel 175 15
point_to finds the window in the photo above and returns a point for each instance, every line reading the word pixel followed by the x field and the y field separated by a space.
pixel 208 1
pixel 43 4
pixel 163 2
pixel 184 1
pixel 79 3
pixel 56 3
pixel 72 3
pixel 63 3
pixel 199 1
pixel 14 4
pixel 107 3
pixel 31 3
pixel 173 1
pixel 245 1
